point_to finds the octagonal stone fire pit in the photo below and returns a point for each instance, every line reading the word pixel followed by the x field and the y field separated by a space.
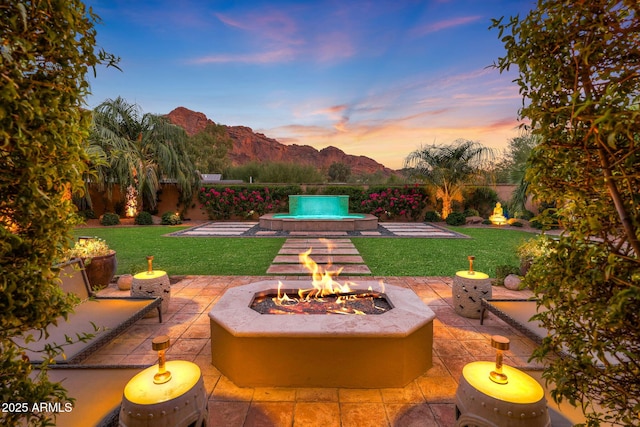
pixel 352 351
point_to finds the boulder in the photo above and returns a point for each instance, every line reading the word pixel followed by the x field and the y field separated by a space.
pixel 474 220
pixel 512 282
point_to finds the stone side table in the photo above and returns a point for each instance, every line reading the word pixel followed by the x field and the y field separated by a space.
pixel 154 284
pixel 179 402
pixel 468 289
pixel 481 402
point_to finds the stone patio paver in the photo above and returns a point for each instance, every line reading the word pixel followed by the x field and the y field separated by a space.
pixel 426 401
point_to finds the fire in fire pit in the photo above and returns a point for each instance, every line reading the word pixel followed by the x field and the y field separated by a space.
pixel 326 296
pixel 354 302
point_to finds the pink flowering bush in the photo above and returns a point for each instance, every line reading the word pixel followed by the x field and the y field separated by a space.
pixel 227 203
pixel 407 202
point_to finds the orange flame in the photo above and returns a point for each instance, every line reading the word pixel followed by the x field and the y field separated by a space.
pixel 324 285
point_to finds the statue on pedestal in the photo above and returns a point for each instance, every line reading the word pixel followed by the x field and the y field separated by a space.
pixel 498 217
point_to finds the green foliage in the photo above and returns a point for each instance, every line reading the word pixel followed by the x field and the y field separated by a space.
pixel 516 224
pixel 144 218
pixel 46 50
pixel 481 199
pixel 456 218
pixel 579 75
pixel 87 214
pixel 339 172
pixel 471 212
pixel 110 218
pixel 445 169
pixel 170 218
pixel 208 149
pixel 275 172
pixel 432 216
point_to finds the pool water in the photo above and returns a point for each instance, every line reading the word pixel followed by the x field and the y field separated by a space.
pixel 318 207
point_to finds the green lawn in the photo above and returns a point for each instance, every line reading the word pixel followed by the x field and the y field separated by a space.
pixel 442 257
pixel 252 256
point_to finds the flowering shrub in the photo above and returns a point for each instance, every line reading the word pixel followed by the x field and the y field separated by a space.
pixel 229 202
pixel 88 248
pixel 408 202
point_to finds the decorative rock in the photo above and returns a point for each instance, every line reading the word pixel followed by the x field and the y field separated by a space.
pixel 512 282
pixel 124 282
pixel 474 220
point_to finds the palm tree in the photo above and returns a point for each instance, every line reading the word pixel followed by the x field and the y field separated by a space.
pixel 519 151
pixel 138 150
pixel 447 168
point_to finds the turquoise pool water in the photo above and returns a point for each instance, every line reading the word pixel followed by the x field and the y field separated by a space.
pixel 318 207
pixel 317 216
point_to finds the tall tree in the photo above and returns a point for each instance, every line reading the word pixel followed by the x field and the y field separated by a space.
pixel 140 150
pixel 579 74
pixel 447 168
pixel 339 172
pixel 208 149
pixel 46 50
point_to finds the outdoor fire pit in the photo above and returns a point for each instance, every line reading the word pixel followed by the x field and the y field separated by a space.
pixel 321 347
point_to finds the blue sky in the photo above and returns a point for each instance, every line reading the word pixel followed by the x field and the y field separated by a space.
pixel 373 78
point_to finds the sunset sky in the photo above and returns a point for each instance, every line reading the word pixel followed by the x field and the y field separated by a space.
pixel 373 78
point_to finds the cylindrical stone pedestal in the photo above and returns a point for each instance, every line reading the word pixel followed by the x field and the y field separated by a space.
pixel 180 402
pixel 155 284
pixel 484 403
pixel 467 291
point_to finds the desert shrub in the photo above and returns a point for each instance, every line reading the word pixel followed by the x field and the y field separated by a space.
pixel 144 218
pixel 110 218
pixel 482 199
pixel 432 216
pixel 471 212
pixel 456 218
pixel 171 218
pixel 87 214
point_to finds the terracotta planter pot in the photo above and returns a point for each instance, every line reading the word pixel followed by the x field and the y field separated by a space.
pixel 101 269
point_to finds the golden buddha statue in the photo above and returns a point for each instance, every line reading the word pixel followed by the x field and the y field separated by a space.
pixel 498 217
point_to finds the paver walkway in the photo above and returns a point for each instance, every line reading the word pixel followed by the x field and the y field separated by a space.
pixel 332 254
pixel 252 229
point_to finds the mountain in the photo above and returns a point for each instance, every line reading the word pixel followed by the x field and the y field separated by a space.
pixel 250 146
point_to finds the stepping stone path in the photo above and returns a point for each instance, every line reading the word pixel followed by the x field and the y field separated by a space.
pixel 221 229
pixel 343 254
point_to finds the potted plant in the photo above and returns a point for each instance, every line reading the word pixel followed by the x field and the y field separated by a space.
pixel 100 262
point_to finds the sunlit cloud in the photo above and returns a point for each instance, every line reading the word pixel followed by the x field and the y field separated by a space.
pixel 444 24
pixel 282 55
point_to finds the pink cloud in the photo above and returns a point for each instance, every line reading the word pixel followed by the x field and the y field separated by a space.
pixel 445 24
pixel 282 55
